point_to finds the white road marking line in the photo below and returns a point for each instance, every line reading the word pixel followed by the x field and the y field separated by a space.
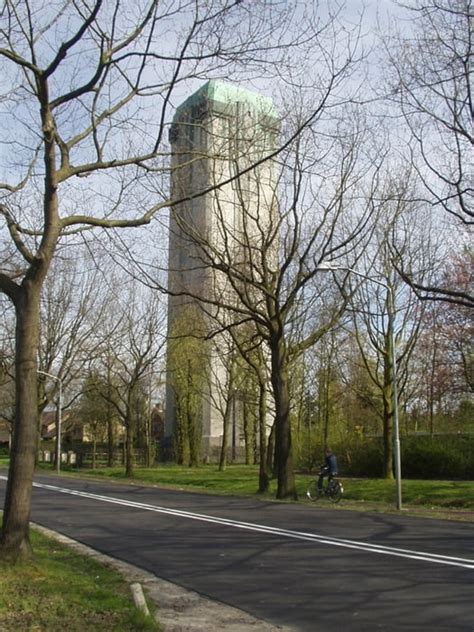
pixel 297 535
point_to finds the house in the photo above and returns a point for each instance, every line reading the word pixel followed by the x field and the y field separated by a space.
pixel 71 430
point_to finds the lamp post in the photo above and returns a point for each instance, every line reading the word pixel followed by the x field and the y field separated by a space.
pixel 58 429
pixel 329 266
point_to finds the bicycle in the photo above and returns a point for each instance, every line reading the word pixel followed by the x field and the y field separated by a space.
pixel 333 490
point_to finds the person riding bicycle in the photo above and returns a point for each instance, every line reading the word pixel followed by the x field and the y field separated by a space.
pixel 329 468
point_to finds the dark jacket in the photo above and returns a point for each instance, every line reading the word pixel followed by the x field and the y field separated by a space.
pixel 331 463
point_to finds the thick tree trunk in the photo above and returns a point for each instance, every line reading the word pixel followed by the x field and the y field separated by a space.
pixel 283 449
pixel 15 541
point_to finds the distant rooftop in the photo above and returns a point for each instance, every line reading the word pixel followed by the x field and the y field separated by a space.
pixel 223 92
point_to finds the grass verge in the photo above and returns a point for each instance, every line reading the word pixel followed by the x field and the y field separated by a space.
pixel 59 589
pixel 454 499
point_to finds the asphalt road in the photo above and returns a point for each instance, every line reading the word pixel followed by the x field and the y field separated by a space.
pixel 307 567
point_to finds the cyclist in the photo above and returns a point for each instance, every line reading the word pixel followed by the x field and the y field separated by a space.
pixel 329 468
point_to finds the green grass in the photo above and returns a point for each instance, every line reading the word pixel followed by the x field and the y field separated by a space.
pixel 444 494
pixel 358 493
pixel 454 499
pixel 62 590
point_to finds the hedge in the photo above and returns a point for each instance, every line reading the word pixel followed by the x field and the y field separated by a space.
pixel 422 457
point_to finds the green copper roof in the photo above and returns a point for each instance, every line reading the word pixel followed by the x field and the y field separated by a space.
pixel 222 92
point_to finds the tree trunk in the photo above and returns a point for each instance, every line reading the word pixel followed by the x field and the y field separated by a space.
pixel 148 425
pixel 194 439
pixel 431 389
pixel 388 413
pixel 387 441
pixel 94 450
pixel 110 424
pixel 263 478
pixel 234 427
pixel 110 441
pixel 178 433
pixel 249 433
pixel 148 455
pixel 326 383
pixel 129 462
pixel 15 541
pixel 283 449
pixel 271 450
pixel 225 436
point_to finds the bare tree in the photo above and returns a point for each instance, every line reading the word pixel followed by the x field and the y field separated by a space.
pixel 223 398
pixel 443 370
pixel 137 344
pixel 374 340
pixel 317 395
pixel 86 94
pixel 92 410
pixel 251 351
pixel 263 259
pixel 72 312
pixel 430 85
pixel 386 312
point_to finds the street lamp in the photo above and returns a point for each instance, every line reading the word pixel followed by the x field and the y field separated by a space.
pixel 58 429
pixel 330 266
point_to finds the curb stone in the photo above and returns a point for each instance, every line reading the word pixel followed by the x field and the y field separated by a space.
pixel 177 609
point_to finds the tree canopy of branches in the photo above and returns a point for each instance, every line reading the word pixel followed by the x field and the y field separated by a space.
pixel 85 100
pixel 263 266
pixel 431 86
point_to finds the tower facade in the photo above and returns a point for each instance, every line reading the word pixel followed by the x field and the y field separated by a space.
pixel 226 192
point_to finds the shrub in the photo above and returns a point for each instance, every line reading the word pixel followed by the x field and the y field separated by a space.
pixel 307 451
pixel 422 457
pixel 441 456
pixel 360 456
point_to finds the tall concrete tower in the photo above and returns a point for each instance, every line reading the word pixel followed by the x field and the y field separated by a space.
pixel 219 132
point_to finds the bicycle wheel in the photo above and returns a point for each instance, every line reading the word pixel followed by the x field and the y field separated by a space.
pixel 335 491
pixel 313 491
